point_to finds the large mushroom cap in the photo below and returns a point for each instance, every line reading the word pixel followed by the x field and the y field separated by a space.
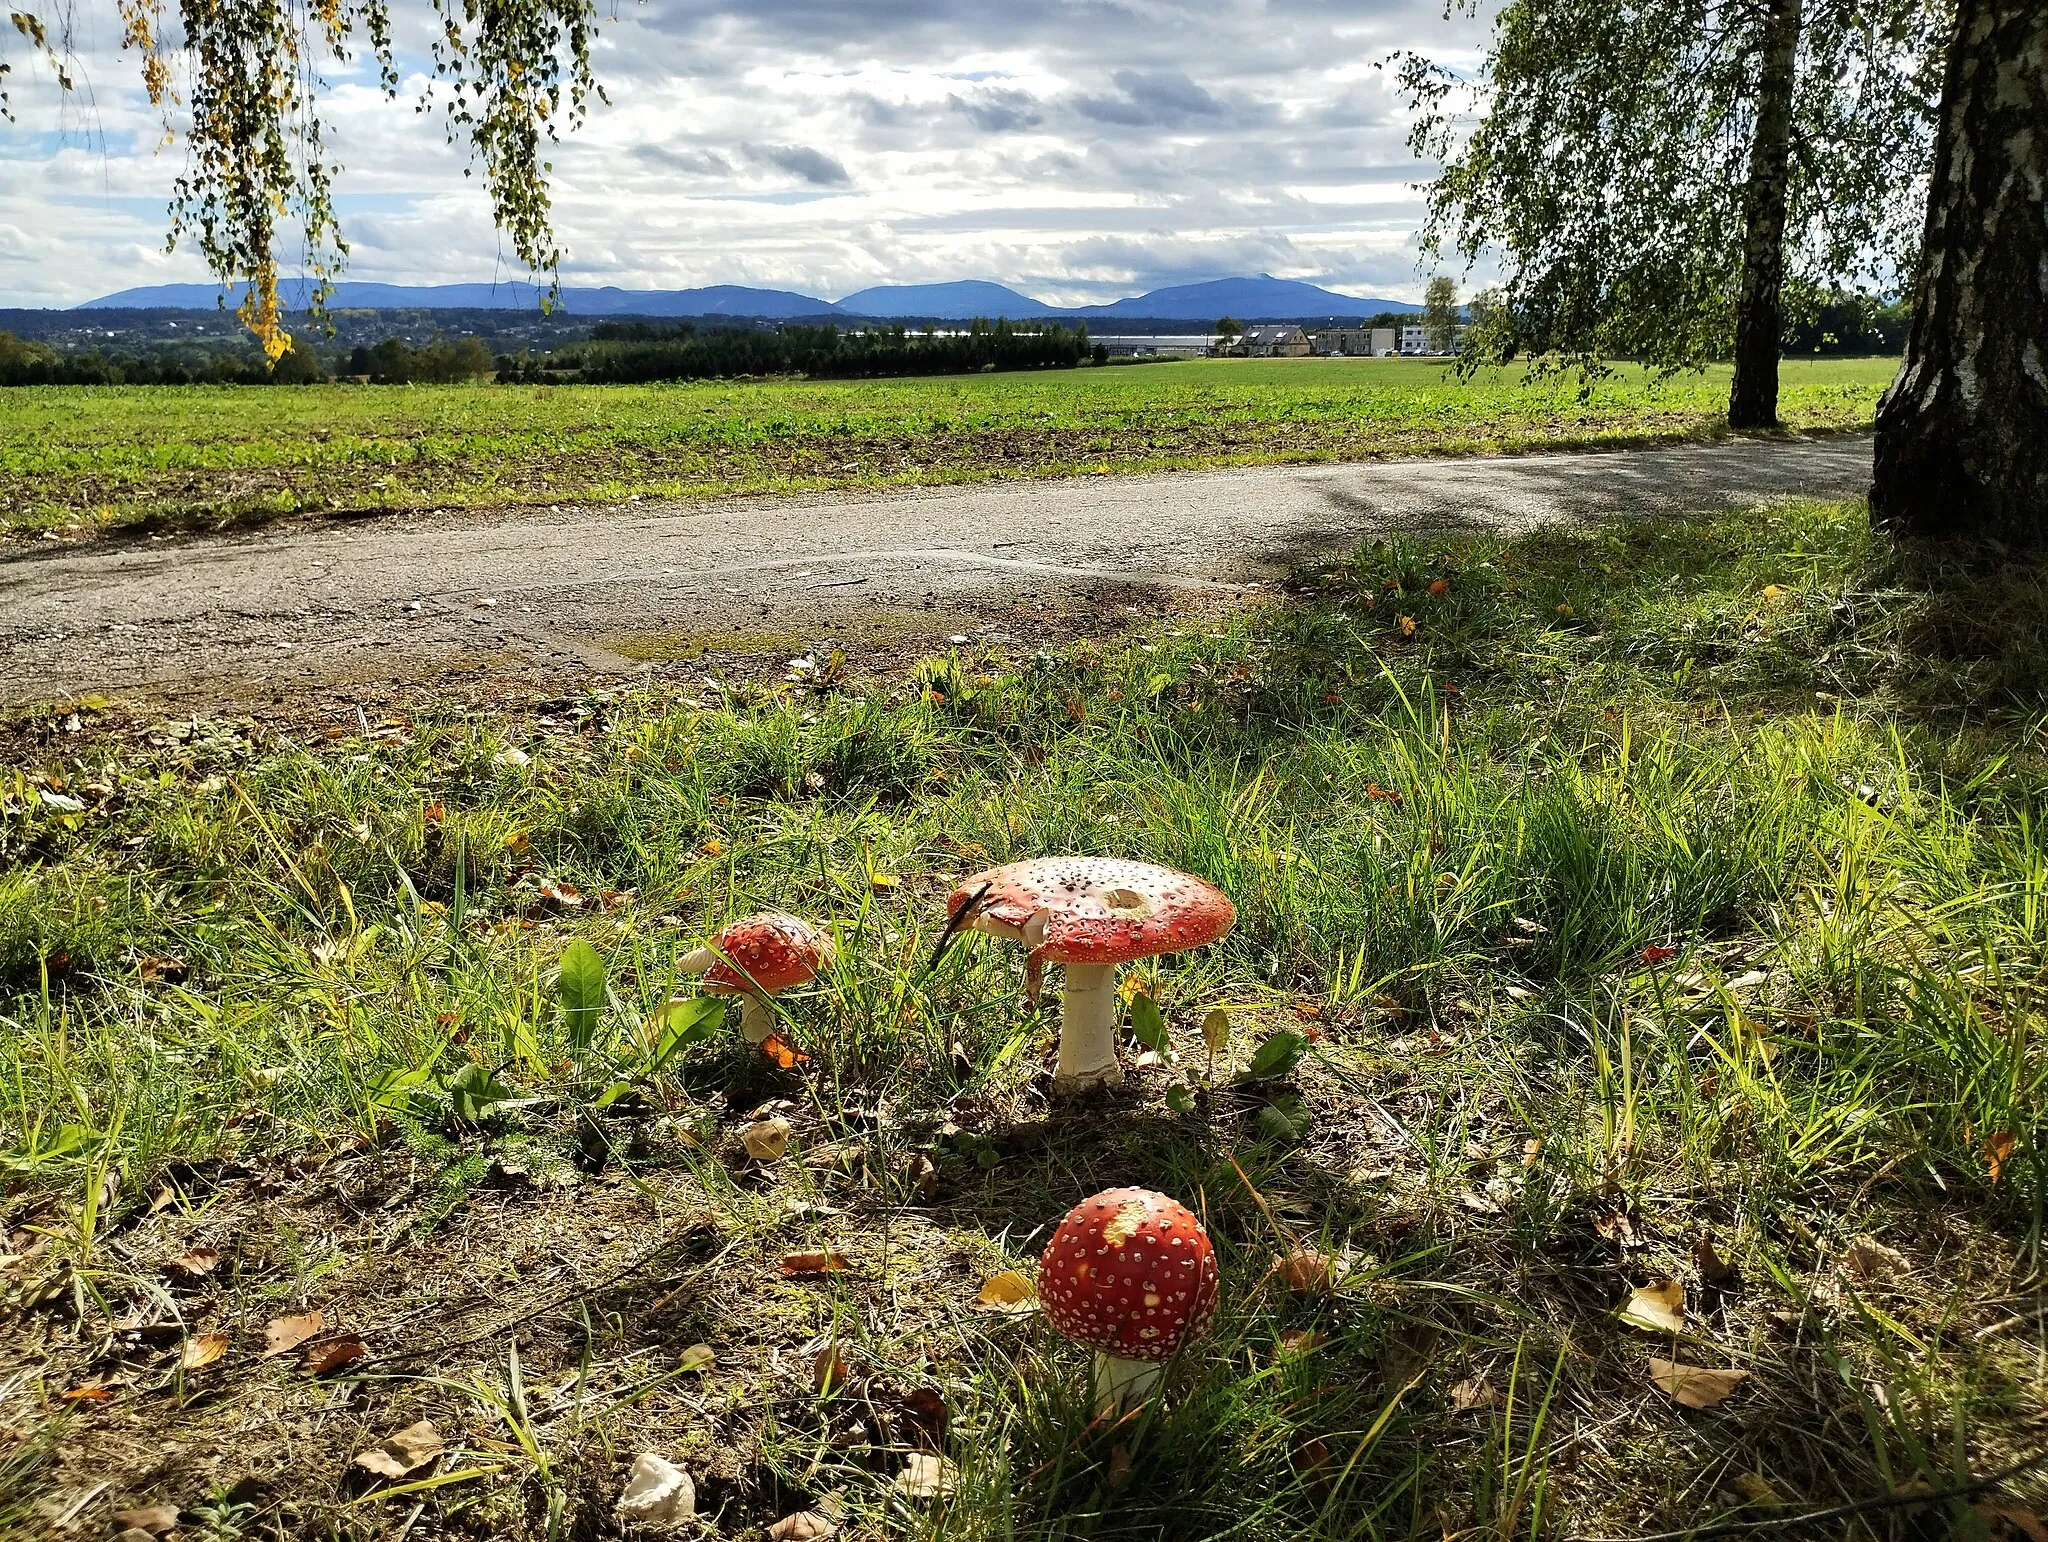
pixel 1096 910
pixel 1130 1273
pixel 770 952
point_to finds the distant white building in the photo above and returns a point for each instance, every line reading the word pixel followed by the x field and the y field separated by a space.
pixel 1275 342
pixel 1414 341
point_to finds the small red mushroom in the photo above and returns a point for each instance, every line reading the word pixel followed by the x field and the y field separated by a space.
pixel 757 957
pixel 1129 1274
pixel 1090 914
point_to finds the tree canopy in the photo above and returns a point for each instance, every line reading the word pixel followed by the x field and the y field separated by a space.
pixel 1626 154
pixel 246 106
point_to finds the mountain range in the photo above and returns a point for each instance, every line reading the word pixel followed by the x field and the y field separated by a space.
pixel 1249 299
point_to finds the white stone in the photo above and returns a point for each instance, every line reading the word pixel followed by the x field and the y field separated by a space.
pixel 657 1492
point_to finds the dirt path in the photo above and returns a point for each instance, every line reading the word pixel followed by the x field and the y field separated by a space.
pixel 395 602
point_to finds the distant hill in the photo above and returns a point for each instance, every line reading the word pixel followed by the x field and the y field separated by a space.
pixel 1263 298
pixel 715 300
pixel 957 301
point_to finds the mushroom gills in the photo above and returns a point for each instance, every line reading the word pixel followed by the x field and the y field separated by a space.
pixel 1088 1030
pixel 1121 1383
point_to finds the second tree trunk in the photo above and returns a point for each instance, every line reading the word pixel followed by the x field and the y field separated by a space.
pixel 1759 303
pixel 1962 435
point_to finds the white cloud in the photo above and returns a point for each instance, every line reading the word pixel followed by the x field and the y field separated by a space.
pixel 1079 149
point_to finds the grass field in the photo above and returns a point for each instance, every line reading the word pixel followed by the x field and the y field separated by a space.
pixel 76 459
pixel 1663 903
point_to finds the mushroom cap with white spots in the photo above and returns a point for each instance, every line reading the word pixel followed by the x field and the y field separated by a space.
pixel 770 953
pixel 1096 910
pixel 1131 1273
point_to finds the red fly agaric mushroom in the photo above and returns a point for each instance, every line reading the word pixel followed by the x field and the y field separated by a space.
pixel 1130 1274
pixel 1090 914
pixel 757 957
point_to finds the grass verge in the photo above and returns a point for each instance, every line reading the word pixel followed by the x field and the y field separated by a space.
pixel 77 459
pixel 1643 929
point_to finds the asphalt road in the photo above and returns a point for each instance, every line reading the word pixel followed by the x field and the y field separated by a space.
pixel 405 599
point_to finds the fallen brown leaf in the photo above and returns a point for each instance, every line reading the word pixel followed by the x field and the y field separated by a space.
pixel 767 1140
pixel 154 1520
pixel 804 1526
pixel 830 1371
pixel 1301 1341
pixel 925 1409
pixel 1871 1262
pixel 1656 1308
pixel 281 1335
pixel 1998 1150
pixel 820 1261
pixel 698 1357
pixel 1713 1268
pixel 405 1452
pixel 1695 1386
pixel 1009 1292
pixel 567 895
pixel 334 1354
pixel 2011 1523
pixel 1473 1392
pixel 195 1264
pixel 1305 1272
pixel 91 1392
pixel 201 1350
pixel 776 1050
pixel 1616 1227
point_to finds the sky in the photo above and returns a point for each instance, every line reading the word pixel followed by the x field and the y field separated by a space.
pixel 1079 150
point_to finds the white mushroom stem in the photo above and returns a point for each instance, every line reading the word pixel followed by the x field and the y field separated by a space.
pixel 1088 1030
pixel 757 1018
pixel 1120 1383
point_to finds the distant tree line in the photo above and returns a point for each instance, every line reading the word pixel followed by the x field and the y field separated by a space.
pixel 629 352
pixel 394 362
pixel 24 363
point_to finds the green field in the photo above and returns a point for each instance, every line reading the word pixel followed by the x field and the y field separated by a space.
pixel 1660 908
pixel 75 459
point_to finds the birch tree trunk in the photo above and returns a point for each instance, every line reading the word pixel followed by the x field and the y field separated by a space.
pixel 1759 305
pixel 1962 434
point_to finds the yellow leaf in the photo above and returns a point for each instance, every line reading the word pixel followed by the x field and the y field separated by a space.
pixel 1009 1293
pixel 1695 1386
pixel 881 883
pixel 1407 625
pixel 698 1357
pixel 1659 1308
pixel 202 1349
